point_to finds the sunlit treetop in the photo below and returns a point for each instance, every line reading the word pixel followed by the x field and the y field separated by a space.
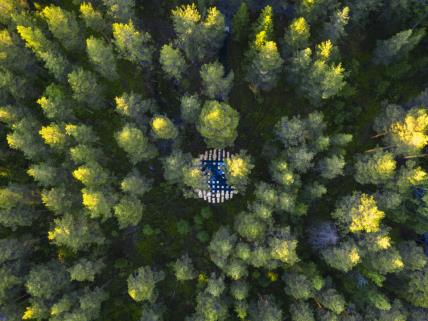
pixel 184 17
pixel 63 25
pixel 410 134
pixel 324 49
pixel 375 168
pixel 163 128
pixel 132 44
pixel 297 34
pixel 264 22
pixel 9 7
pixel 358 213
pixel 92 17
pixel 53 135
pixel 218 123
pixel 214 18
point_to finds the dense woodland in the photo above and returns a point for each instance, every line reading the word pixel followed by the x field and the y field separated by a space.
pixel 106 105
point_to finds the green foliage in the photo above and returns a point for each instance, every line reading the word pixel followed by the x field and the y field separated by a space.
pixel 120 10
pixel 218 123
pixel 92 18
pixel 358 213
pixel 375 168
pixel 265 309
pixel 75 232
pixel 55 103
pixel 183 269
pixel 197 36
pixel 128 211
pixel 398 46
pixel 141 284
pixel 44 281
pixel 216 84
pixel 331 167
pixel 265 63
pixel 335 28
pixel 190 108
pixel 107 106
pixel 415 290
pixel 131 44
pixel 297 35
pixel 301 311
pixel 63 26
pixel 172 62
pixel 240 23
pixel 332 300
pixel 85 270
pixel 404 131
pixel 102 57
pixel 135 144
pixel 135 184
pixel 238 169
pixel 45 50
pixel 342 257
pixel 86 88
pixel 163 128
pixel 317 78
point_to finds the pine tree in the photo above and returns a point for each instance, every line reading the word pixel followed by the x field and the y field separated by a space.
pixel 398 46
pixel 142 283
pixel 301 311
pixel 16 206
pixel 163 128
pixel 120 10
pixel 56 104
pixel 183 269
pixel 135 144
pixel 133 45
pixel 172 62
pixel 332 300
pixel 98 203
pixel 264 60
pixel 54 136
pixel 44 173
pixel 343 256
pixel 85 270
pixel 86 88
pixel 135 184
pixel 218 123
pixel 216 84
pixel 238 168
pixel 45 50
pixel 375 168
pixel 63 25
pixel 265 309
pixel 240 23
pixel 358 213
pixel 75 232
pixel 102 57
pixel 128 211
pixel 297 35
pixel 198 37
pixel 190 108
pixel 93 18
pixel 46 280
pixel 335 28
pixel 317 78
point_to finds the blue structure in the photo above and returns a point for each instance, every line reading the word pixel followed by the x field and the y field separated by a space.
pixel 213 164
pixel 214 169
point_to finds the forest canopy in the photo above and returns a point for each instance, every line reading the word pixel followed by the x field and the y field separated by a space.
pixel 118 117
